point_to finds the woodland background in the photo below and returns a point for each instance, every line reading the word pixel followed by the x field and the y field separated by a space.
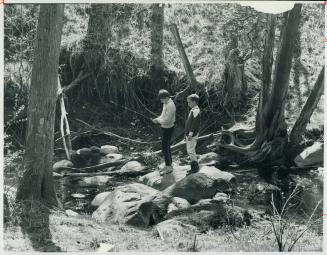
pixel 113 60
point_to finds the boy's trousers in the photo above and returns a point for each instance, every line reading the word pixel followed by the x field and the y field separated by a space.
pixel 190 147
pixel 165 144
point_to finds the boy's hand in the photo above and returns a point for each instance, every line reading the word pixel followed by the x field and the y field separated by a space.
pixel 155 121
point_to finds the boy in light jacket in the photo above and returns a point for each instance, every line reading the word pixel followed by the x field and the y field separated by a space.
pixel 167 122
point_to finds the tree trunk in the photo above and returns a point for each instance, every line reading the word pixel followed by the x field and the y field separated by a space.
pixel 304 117
pixel 271 139
pixel 182 54
pixel 157 25
pixel 267 64
pixel 276 103
pixel 37 182
pixel 98 35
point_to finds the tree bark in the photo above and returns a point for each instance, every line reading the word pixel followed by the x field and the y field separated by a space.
pixel 182 54
pixel 299 127
pixel 37 182
pixel 157 25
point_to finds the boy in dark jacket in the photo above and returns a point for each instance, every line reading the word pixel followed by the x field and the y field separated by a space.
pixel 192 128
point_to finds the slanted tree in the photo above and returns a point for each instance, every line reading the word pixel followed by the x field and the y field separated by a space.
pixel 295 138
pixel 271 131
pixel 37 182
pixel 185 61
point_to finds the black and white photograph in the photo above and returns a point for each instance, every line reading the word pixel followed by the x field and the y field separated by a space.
pixel 163 126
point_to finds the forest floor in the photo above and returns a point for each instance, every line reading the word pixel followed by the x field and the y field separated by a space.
pixel 60 232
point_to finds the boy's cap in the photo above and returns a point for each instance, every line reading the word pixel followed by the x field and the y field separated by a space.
pixel 163 94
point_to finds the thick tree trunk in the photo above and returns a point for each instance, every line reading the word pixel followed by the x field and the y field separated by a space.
pixel 267 64
pixel 37 182
pixel 276 110
pixel 157 25
pixel 271 140
pixel 182 54
pixel 295 137
pixel 98 36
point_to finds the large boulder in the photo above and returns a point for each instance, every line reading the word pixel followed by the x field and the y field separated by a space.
pixel 98 200
pixel 62 163
pixel 203 184
pixel 311 156
pixel 210 158
pixel 132 166
pixel 106 149
pixel 210 213
pixel 155 180
pixel 130 204
pixel 140 205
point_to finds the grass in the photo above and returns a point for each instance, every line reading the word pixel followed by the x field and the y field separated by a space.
pixel 84 234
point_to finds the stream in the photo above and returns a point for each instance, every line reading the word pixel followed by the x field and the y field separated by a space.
pixel 76 193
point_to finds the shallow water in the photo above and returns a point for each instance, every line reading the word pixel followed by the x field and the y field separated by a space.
pixel 66 187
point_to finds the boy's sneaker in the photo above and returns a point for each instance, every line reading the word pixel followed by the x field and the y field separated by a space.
pixel 194 168
pixel 166 170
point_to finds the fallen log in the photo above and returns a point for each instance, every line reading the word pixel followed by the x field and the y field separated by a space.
pixel 182 143
pixel 113 173
pixel 98 167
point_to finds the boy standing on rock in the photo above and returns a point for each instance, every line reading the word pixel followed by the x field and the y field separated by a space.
pixel 192 128
pixel 167 121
